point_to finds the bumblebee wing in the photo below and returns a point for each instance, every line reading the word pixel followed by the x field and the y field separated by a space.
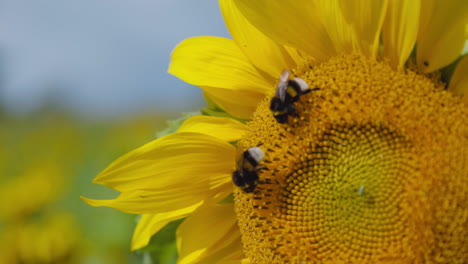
pixel 282 85
pixel 281 91
pixel 284 77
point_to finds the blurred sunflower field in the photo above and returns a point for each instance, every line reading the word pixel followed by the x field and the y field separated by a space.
pixel 81 84
pixel 48 159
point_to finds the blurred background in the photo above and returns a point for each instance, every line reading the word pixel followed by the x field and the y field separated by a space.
pixel 81 83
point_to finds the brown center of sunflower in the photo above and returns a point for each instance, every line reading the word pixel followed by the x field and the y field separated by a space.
pixel 372 169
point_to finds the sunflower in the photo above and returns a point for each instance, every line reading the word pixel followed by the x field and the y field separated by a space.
pixel 363 161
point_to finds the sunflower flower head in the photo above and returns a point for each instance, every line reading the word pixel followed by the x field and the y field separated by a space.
pixel 356 176
pixel 354 148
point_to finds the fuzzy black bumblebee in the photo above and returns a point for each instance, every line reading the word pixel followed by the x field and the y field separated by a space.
pixel 287 93
pixel 246 174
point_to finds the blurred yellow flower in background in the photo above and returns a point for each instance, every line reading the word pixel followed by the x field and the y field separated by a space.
pixel 46 161
pixel 53 239
pixel 33 177
pixel 370 167
pixel 44 182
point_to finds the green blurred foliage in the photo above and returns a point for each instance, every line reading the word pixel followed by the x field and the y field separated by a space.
pixel 47 161
pixel 162 248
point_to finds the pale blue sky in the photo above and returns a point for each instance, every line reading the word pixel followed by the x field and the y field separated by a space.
pixel 100 56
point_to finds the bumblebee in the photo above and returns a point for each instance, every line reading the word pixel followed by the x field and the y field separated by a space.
pixel 246 174
pixel 287 93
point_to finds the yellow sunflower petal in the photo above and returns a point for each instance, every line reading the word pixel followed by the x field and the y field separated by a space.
pixel 425 14
pixel 341 33
pixel 150 224
pixel 295 54
pixel 153 202
pixel 400 30
pixel 354 25
pixel 265 54
pixel 368 17
pixel 442 35
pixel 180 159
pixel 226 129
pixel 295 23
pixel 221 235
pixel 459 81
pixel 237 257
pixel 216 62
pixel 165 198
pixel 226 253
pixel 241 104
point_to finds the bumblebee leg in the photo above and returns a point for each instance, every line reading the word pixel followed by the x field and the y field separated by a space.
pixel 291 110
pixel 282 118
